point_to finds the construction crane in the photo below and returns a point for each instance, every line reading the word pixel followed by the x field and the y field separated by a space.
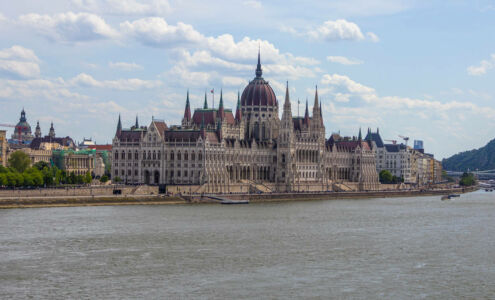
pixel 393 141
pixel 14 126
pixel 405 138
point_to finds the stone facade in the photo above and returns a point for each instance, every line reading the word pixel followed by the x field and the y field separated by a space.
pixel 218 151
pixel 3 148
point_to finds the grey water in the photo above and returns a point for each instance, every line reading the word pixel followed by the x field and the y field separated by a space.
pixel 390 248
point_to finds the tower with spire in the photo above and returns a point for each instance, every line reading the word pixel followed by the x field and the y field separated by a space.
pixel 285 147
pixel 52 131
pixel 37 132
pixel 186 119
pixel 119 127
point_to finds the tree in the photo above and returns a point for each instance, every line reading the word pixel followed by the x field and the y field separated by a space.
pixel 19 161
pixel 88 178
pixel 117 179
pixel 28 179
pixel 467 179
pixel 3 179
pixel 41 165
pixel 386 177
pixel 104 179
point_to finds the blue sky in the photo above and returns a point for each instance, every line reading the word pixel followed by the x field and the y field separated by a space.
pixel 423 69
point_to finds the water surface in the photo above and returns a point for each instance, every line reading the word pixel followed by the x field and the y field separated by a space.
pixel 377 248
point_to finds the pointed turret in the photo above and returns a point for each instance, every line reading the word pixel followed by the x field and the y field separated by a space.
pixel 259 71
pixel 37 133
pixel 306 114
pixel 316 106
pixel 287 113
pixel 119 127
pixel 187 112
pixel 221 111
pixel 205 105
pixel 360 137
pixel 52 131
pixel 238 114
pixel 136 125
pixel 287 100
pixel 203 128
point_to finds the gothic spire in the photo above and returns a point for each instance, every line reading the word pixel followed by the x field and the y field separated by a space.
pixel 316 105
pixel 119 126
pixel 205 105
pixel 238 110
pixel 306 114
pixel 187 110
pixel 259 72
pixel 287 99
pixel 360 137
pixel 137 123
pixel 220 106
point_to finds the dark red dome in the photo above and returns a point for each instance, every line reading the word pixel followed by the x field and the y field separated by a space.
pixel 258 92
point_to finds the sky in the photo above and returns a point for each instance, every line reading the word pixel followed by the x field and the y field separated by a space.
pixel 421 69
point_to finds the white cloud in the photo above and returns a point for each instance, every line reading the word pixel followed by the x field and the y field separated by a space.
pixel 483 67
pixel 125 66
pixel 69 27
pixel 124 7
pixel 373 37
pixel 156 32
pixel 252 3
pixel 234 81
pixel 344 60
pixel 132 84
pixel 18 61
pixel 337 30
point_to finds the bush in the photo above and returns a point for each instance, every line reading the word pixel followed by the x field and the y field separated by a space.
pixel 467 179
pixel 117 179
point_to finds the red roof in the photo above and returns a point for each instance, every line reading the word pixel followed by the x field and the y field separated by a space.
pixel 210 116
pixel 107 147
pixel 258 92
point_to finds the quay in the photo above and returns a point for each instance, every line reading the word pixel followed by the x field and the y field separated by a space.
pixel 86 196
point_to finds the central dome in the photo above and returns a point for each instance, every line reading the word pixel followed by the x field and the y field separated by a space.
pixel 258 92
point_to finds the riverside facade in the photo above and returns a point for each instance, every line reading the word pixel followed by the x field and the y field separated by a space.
pixel 216 150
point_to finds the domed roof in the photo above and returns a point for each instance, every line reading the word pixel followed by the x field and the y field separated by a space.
pixel 258 91
pixel 23 124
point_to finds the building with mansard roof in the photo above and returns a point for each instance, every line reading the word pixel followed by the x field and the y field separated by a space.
pixel 217 150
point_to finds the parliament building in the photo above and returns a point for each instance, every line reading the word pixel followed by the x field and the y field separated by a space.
pixel 217 150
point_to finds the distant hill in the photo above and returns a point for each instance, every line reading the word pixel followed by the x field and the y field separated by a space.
pixel 481 159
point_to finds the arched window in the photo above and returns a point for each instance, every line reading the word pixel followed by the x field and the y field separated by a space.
pixel 122 155
pixel 172 157
pixel 149 154
pixel 129 155
pixel 256 130
pixel 200 156
pixel 186 156
pixel 179 156
pixel 193 156
pixel 136 155
pixel 263 131
pixel 116 156
pixel 159 155
pixel 154 154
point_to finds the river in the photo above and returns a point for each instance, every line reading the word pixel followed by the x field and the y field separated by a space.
pixel 392 248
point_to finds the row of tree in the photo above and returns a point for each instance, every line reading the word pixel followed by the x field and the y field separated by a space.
pixel 386 177
pixel 19 173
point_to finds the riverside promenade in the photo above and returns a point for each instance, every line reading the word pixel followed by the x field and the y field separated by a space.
pixel 148 195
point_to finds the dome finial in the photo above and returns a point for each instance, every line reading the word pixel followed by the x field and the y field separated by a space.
pixel 259 72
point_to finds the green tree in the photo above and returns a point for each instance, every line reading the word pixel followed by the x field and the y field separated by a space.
pixel 19 179
pixel 467 179
pixel 41 165
pixel 3 179
pixel 27 179
pixel 47 176
pixel 386 177
pixel 79 179
pixel 11 179
pixel 19 161
pixel 104 179
pixel 117 179
pixel 88 178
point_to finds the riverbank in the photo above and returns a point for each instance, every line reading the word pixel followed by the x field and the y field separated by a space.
pixel 156 199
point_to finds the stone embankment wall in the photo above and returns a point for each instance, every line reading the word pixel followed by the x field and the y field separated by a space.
pixel 80 191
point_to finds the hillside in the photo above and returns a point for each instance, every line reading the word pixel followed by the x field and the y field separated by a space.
pixel 481 159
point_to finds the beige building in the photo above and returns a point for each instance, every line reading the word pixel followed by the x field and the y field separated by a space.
pixel 3 148
pixel 38 155
pixel 217 150
pixel 79 162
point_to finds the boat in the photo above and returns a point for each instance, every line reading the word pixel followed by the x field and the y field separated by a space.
pixel 445 197
pixel 235 202
pixel 454 195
